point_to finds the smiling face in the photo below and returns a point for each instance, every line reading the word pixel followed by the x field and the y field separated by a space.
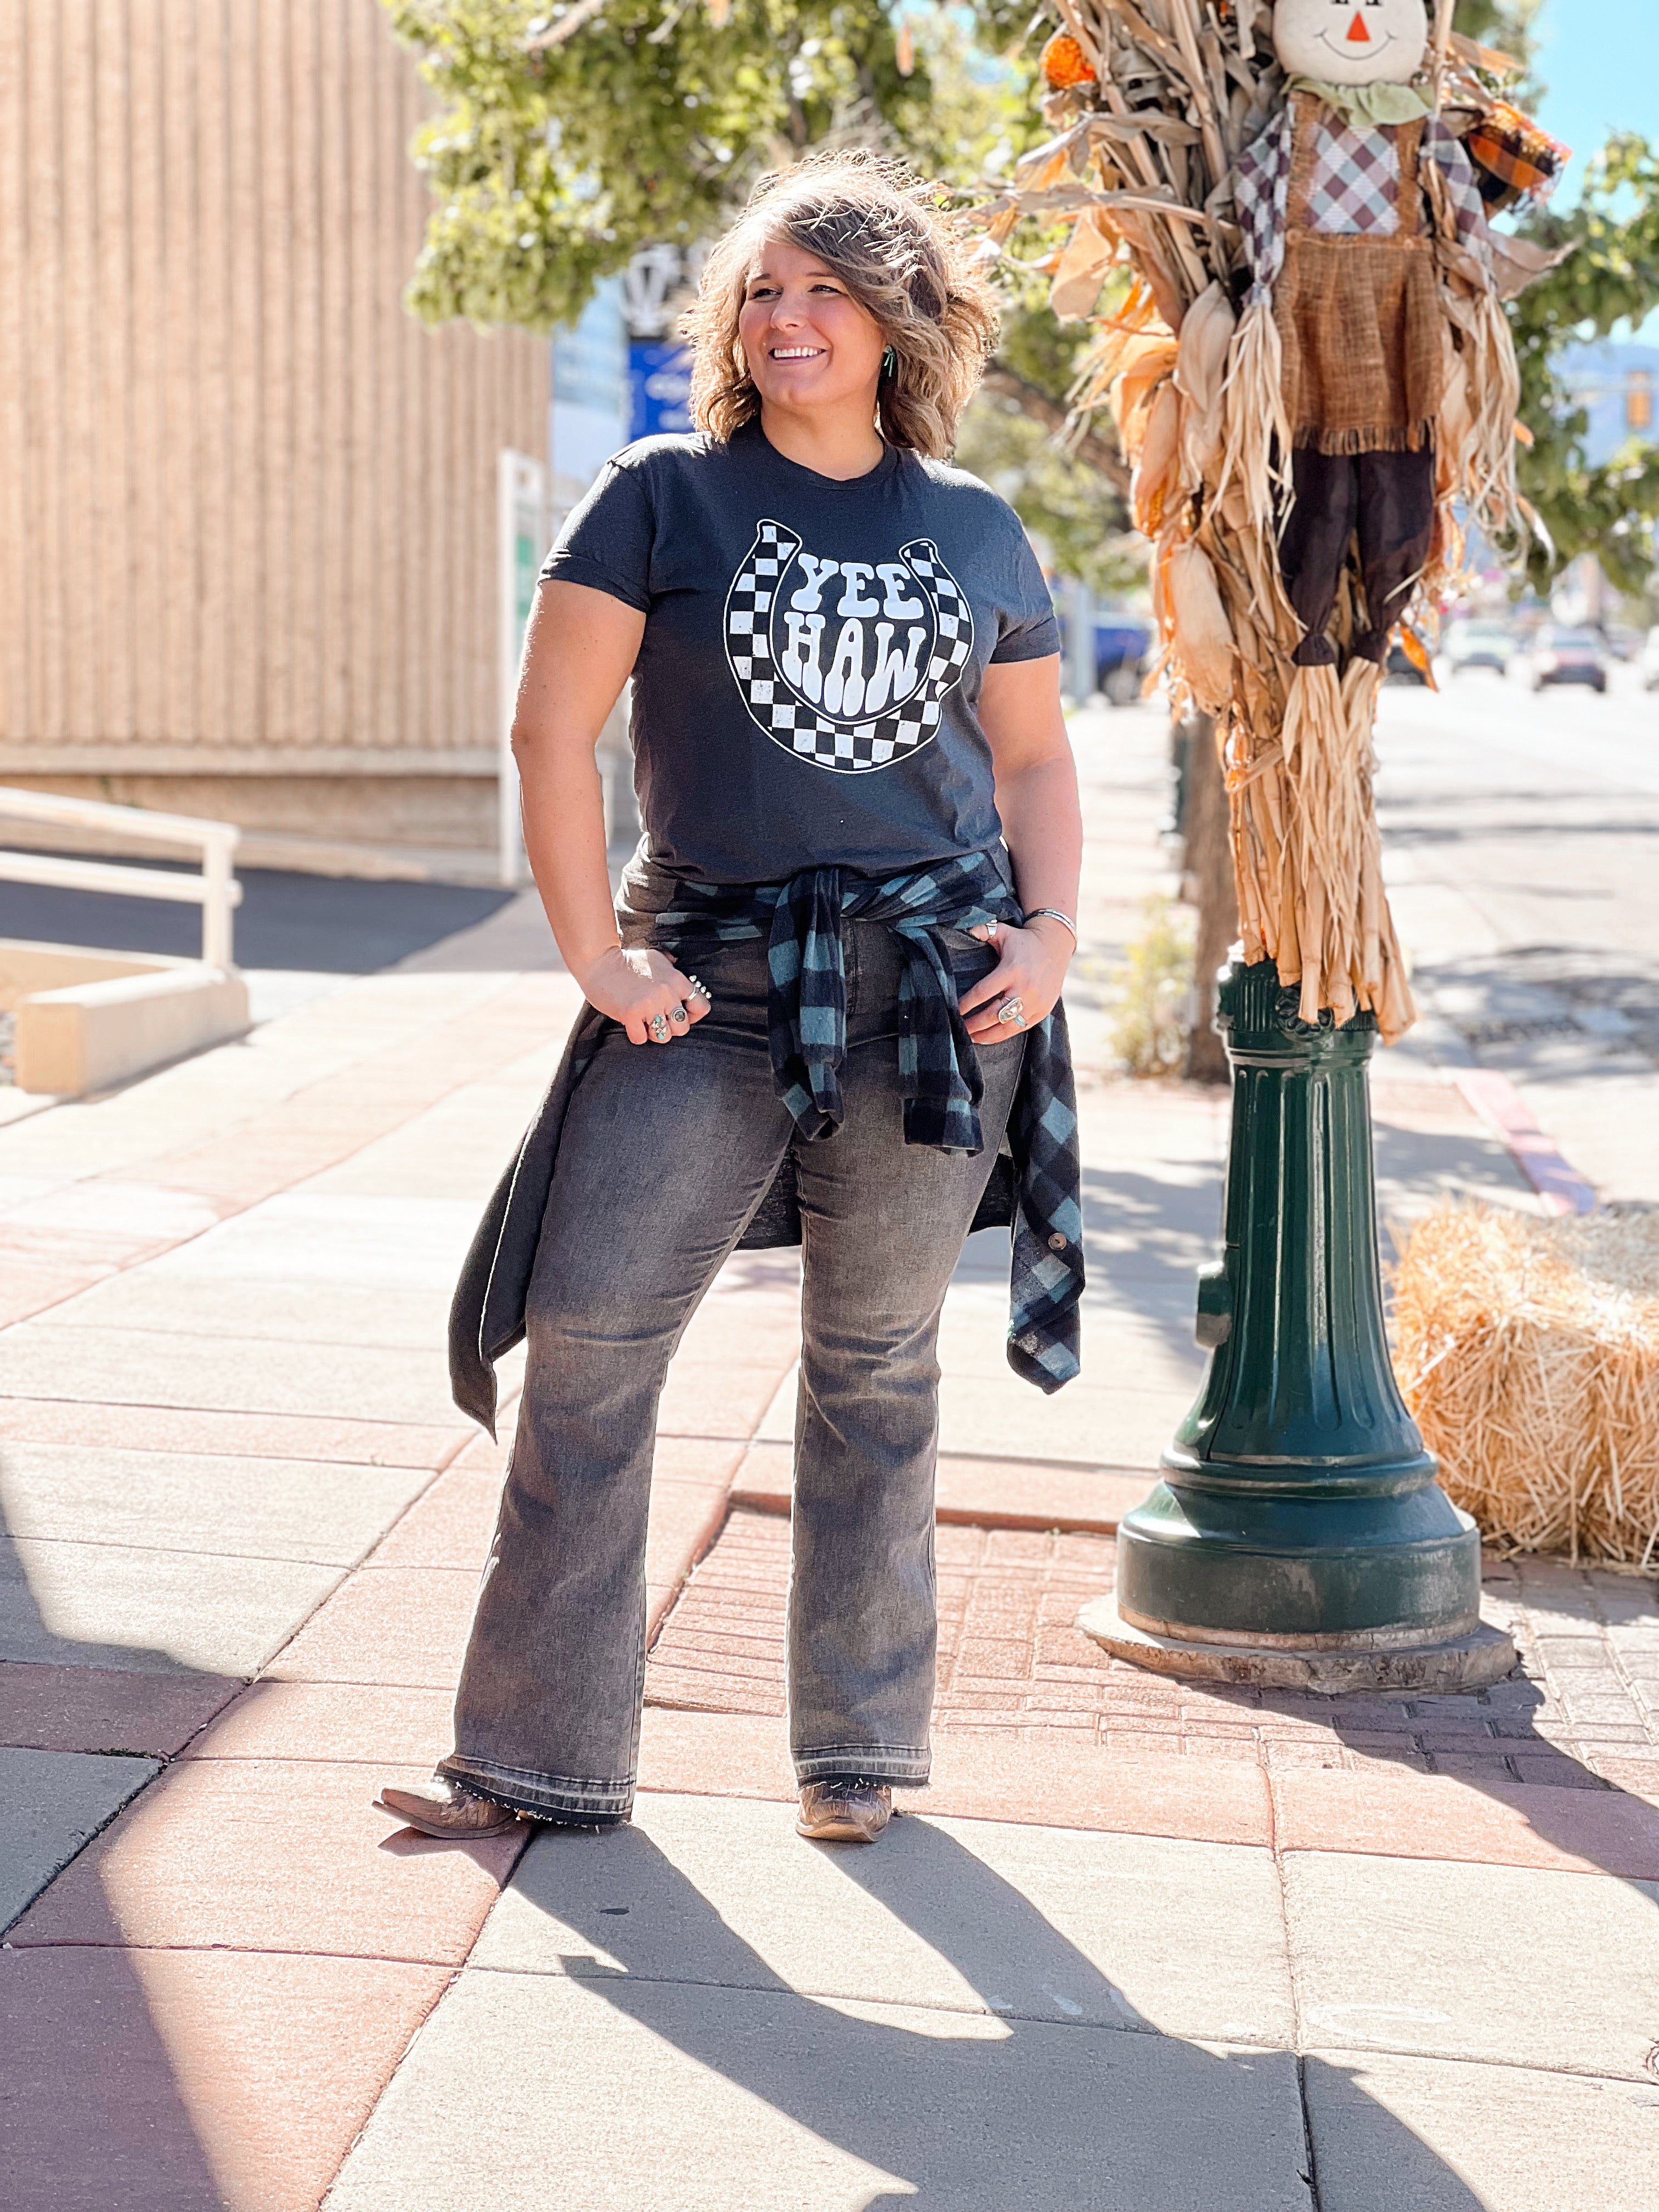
pixel 807 341
pixel 1352 41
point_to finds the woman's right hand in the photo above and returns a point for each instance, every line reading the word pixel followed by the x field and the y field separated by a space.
pixel 635 985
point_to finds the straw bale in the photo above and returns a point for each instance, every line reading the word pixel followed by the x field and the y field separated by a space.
pixel 1529 1352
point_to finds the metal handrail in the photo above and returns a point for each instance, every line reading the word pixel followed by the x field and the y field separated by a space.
pixel 216 889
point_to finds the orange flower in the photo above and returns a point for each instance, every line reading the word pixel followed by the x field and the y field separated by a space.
pixel 1065 62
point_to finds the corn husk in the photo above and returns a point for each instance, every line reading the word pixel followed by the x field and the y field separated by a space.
pixel 1082 269
pixel 1201 378
pixel 1529 1353
pixel 1202 635
pixel 1257 429
pixel 1145 156
pixel 1156 485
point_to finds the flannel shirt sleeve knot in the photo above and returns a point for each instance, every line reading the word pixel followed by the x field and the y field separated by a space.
pixel 802 923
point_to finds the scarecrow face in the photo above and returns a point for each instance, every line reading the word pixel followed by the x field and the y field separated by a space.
pixel 1352 41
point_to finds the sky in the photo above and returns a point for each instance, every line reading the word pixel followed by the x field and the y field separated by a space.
pixel 1600 60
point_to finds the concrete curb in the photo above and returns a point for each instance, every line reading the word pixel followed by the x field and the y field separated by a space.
pixel 87 1020
pixel 1504 1110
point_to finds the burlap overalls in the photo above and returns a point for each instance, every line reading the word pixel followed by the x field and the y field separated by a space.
pixel 1358 318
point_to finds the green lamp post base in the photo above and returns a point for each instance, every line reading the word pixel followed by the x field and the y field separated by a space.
pixel 1299 1518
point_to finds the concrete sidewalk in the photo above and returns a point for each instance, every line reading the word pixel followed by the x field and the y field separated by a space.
pixel 1137 1946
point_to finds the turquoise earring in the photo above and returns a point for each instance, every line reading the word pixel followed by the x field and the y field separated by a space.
pixel 890 362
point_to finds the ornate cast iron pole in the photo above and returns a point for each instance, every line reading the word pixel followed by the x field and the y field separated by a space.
pixel 1300 1536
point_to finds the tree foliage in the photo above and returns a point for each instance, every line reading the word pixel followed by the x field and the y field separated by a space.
pixel 1069 490
pixel 551 165
pixel 1075 509
pixel 1608 280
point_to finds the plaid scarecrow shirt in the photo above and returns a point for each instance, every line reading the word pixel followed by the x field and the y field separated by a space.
pixel 1352 190
pixel 1036 1188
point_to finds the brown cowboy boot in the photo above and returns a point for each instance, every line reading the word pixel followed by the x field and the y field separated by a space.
pixel 445 1808
pixel 843 1810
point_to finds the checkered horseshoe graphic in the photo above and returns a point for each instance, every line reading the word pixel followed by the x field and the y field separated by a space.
pixel 845 615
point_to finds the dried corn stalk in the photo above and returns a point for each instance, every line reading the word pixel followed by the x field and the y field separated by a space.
pixel 1156 100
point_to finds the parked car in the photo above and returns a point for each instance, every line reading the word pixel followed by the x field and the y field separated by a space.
pixel 1649 663
pixel 1122 645
pixel 1478 645
pixel 1569 656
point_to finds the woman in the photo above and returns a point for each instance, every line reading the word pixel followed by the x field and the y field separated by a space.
pixel 818 999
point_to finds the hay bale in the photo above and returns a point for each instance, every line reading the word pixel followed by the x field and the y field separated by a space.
pixel 1529 1352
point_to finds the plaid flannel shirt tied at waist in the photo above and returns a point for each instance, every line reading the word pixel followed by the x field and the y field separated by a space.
pixel 1035 1193
pixel 802 923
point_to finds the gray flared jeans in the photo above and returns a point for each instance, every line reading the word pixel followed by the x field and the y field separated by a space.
pixel 665 1154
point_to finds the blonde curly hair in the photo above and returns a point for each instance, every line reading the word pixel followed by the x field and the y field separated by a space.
pixel 866 220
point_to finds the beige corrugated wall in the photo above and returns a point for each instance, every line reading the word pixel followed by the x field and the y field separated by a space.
pixel 247 505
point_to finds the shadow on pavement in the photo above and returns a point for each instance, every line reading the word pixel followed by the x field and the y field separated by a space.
pixel 1417 1169
pixel 976 2111
pixel 91 2116
pixel 1557 997
pixel 1400 829
pixel 323 925
pixel 1576 1809
pixel 1145 1239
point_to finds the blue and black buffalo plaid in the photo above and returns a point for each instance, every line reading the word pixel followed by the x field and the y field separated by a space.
pixel 807 1016
pixel 801 921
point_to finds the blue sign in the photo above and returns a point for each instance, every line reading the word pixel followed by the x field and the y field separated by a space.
pixel 660 375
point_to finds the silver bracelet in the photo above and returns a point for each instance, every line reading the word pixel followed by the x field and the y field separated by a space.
pixel 1054 913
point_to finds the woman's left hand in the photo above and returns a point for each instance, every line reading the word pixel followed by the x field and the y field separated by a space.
pixel 1033 970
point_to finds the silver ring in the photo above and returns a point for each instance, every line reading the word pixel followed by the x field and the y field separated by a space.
pixel 678 1015
pixel 659 1026
pixel 700 988
pixel 1012 1010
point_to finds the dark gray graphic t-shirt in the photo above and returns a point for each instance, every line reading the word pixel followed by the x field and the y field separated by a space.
pixel 807 689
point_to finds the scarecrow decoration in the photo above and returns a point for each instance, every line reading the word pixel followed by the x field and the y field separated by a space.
pixel 1281 236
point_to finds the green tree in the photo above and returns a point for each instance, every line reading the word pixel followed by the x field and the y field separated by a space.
pixel 1608 279
pixel 1072 506
pixel 552 164
pixel 1067 488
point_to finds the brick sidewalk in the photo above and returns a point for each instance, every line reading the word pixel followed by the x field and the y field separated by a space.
pixel 1011 1663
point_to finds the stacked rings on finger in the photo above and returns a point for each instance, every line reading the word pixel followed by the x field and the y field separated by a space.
pixel 658 1027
